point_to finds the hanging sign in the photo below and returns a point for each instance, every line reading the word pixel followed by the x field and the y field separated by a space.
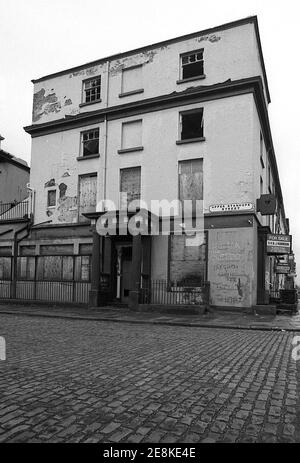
pixel 281 268
pixel 278 244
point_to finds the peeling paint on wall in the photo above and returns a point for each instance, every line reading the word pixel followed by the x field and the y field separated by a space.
pixel 44 104
pixel 50 182
pixel 142 58
pixel 62 190
pixel 68 101
pixel 67 209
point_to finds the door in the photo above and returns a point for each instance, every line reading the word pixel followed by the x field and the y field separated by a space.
pixel 126 273
pixel 123 272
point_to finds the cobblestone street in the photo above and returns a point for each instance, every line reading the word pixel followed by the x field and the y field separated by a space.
pixel 92 381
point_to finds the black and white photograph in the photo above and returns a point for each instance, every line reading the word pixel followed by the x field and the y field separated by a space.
pixel 149 225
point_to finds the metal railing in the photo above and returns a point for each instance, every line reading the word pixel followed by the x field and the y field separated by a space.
pixel 167 293
pixel 11 211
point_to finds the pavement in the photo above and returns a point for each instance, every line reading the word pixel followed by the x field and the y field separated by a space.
pixel 214 319
pixel 71 380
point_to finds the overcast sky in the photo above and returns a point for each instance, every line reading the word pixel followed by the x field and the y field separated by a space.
pixel 39 37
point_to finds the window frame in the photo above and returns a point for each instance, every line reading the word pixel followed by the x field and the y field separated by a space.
pixel 121 169
pixel 133 148
pixel 123 94
pixel 181 141
pixel 83 95
pixel 51 190
pixel 81 148
pixel 181 79
pixel 179 165
pixel 80 176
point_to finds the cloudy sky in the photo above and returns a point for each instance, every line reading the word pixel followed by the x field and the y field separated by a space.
pixel 39 37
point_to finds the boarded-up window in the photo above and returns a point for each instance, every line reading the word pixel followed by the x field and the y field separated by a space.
pixel 5 268
pixel 132 134
pixel 130 186
pixel 83 268
pixel 132 79
pixel 191 179
pixel 26 268
pixel 87 195
pixel 188 258
pixel 57 268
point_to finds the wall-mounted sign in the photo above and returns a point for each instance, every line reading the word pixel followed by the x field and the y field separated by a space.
pixel 266 204
pixel 278 244
pixel 281 268
pixel 231 207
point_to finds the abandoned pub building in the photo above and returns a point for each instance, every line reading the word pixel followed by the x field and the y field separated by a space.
pixel 186 118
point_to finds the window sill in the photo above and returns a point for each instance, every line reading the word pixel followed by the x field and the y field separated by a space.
pixel 190 79
pixel 190 140
pixel 91 156
pixel 131 150
pixel 132 92
pixel 89 103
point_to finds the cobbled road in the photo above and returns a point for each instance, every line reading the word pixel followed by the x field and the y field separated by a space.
pixel 91 381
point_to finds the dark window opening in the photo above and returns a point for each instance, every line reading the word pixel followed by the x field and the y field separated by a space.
pixel 92 89
pixel 192 65
pixel 90 142
pixel 192 125
pixel 51 201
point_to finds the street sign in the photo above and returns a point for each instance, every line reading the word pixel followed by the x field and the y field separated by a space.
pixel 231 207
pixel 278 244
pixel 282 269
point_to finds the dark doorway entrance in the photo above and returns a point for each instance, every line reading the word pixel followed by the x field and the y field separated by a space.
pixel 124 272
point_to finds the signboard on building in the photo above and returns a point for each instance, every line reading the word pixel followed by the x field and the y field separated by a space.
pixel 231 207
pixel 282 268
pixel 278 244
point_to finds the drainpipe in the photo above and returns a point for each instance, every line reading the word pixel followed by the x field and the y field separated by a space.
pixel 105 132
pixel 15 257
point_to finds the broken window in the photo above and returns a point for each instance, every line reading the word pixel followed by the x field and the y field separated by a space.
pixel 92 90
pixel 87 195
pixel 51 199
pixel 132 80
pixel 191 179
pixel 192 65
pixel 192 124
pixel 130 186
pixel 90 142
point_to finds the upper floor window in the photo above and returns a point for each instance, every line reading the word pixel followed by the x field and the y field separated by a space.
pixel 132 80
pixel 51 198
pixel 90 142
pixel 130 186
pixel 92 90
pixel 87 194
pixel 190 174
pixel 191 126
pixel 192 65
pixel 131 136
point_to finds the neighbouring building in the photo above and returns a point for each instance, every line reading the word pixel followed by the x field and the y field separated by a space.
pixel 184 119
pixel 15 210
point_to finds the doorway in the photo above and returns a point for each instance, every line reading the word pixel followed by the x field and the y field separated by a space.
pixel 124 272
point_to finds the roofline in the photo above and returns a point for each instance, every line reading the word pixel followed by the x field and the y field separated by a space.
pixel 7 157
pixel 230 25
